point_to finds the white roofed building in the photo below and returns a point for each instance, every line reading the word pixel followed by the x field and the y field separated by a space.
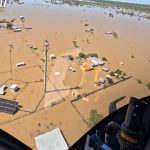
pixel 52 140
pixel 95 61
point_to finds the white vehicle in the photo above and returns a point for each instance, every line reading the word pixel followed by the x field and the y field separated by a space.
pixel 16 29
pixel 72 69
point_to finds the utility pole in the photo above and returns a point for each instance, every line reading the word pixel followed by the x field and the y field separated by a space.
pixel 10 60
pixel 45 71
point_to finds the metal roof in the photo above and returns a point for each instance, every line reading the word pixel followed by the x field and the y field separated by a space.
pixel 8 106
pixel 52 140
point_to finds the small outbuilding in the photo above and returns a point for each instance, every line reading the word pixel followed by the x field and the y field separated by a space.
pixel 100 80
pixel 95 61
pixel 86 67
pixel 2 89
pixel 22 18
pixel 14 88
pixel 2 92
pixel 20 64
pixel 105 69
pixel 52 56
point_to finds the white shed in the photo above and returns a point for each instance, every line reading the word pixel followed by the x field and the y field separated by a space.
pixel 14 88
pixel 52 56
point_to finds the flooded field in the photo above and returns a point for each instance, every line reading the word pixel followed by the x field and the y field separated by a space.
pixel 70 29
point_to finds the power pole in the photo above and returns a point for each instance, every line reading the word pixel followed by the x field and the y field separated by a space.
pixel 45 71
pixel 10 60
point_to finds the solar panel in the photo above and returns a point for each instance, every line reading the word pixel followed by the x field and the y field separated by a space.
pixel 8 101
pixel 8 106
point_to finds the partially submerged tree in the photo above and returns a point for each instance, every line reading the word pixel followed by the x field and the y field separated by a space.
pixel 70 57
pixel 109 80
pixel 94 118
pixel 92 55
pixel 148 86
pixel 9 25
pixel 111 73
pixel 104 58
pixel 139 81
pixel 118 71
pixel 82 55
pixel 115 35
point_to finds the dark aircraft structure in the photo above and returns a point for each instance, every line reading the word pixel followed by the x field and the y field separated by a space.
pixel 127 128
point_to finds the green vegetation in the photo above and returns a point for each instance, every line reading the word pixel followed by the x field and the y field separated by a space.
pixel 131 13
pixel 111 73
pixel 109 80
pixel 111 15
pixel 92 55
pixel 94 118
pixel 122 77
pixel 98 83
pixel 104 58
pixel 115 35
pixel 9 25
pixel 70 57
pixel 140 81
pixel 75 44
pixel 147 17
pixel 148 86
pixel 123 8
pixel 43 60
pixel 132 56
pixel 86 24
pixel 124 74
pixel 118 71
pixel 82 55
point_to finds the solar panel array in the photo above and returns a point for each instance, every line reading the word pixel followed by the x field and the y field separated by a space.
pixel 8 106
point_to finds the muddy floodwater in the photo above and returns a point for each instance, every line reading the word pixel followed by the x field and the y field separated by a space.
pixel 70 29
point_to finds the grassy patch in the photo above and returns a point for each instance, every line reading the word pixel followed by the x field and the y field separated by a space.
pixel 148 86
pixel 42 59
pixel 94 118
pixel 139 81
pixel 115 35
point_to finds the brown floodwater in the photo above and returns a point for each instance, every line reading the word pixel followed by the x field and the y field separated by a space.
pixel 61 25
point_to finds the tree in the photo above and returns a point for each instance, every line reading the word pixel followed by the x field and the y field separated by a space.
pixel 122 77
pixel 82 55
pixel 118 71
pixel 148 86
pixel 124 74
pixel 104 58
pixel 111 73
pixel 92 55
pixel 98 83
pixel 94 118
pixel 140 81
pixel 9 25
pixel 115 35
pixel 70 57
pixel 109 80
